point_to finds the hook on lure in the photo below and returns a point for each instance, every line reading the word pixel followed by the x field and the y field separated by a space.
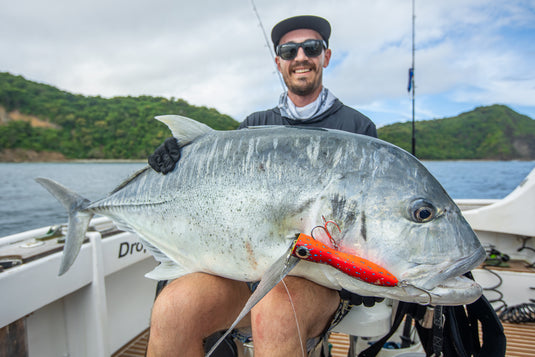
pixel 325 228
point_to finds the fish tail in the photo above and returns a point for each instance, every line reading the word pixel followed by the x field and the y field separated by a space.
pixel 78 220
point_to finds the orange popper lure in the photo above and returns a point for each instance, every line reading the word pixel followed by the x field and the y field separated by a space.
pixel 308 248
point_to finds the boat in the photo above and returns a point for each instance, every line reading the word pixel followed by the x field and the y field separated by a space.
pixel 101 307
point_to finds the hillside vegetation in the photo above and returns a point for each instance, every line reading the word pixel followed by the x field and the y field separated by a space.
pixel 40 117
pixel 41 121
pixel 495 132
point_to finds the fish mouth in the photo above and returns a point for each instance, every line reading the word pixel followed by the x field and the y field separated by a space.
pixel 445 274
pixel 459 290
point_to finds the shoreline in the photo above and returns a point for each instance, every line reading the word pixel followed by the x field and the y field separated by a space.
pixel 31 156
pixel 106 161
pixel 78 161
pixel 139 161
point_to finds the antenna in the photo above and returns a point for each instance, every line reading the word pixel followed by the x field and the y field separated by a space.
pixel 268 45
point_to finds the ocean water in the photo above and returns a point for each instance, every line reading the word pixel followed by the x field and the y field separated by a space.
pixel 24 204
pixel 480 179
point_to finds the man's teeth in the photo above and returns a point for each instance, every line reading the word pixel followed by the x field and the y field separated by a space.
pixel 304 70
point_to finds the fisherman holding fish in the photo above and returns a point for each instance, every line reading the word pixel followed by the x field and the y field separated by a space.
pixel 322 211
pixel 197 305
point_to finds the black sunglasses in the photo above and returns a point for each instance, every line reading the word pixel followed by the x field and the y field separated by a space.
pixel 288 51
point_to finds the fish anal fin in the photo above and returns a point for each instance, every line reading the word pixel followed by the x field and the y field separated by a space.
pixel 167 270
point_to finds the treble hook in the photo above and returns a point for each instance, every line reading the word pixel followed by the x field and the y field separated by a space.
pixel 326 229
pixel 404 284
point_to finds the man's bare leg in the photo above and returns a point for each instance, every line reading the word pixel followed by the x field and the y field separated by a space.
pixel 190 309
pixel 273 320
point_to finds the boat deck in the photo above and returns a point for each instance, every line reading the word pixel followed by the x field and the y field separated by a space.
pixel 136 347
pixel 520 342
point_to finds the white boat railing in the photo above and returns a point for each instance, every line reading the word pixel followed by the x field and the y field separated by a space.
pixel 19 237
pixel 83 295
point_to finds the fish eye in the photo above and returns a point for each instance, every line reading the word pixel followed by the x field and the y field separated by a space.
pixel 422 211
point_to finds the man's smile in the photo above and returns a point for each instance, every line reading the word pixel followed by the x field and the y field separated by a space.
pixel 302 70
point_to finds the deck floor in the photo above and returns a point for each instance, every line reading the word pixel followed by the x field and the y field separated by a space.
pixel 136 347
pixel 520 339
pixel 520 342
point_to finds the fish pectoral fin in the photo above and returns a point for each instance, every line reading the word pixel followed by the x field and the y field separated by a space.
pixel 271 277
pixel 185 130
pixel 167 270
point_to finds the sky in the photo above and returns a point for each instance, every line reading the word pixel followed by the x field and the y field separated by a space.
pixel 213 53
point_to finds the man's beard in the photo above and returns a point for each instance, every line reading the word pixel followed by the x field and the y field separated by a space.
pixel 298 87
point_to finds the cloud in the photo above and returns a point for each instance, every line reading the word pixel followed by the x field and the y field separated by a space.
pixel 213 53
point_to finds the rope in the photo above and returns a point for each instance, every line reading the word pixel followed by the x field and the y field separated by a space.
pixel 519 313
pixel 514 314
pixel 495 290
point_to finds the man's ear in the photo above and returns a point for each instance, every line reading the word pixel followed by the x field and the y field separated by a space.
pixel 278 62
pixel 327 57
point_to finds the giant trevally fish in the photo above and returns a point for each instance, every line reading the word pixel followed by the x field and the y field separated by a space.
pixel 237 199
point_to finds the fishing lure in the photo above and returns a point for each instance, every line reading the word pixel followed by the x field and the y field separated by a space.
pixel 308 248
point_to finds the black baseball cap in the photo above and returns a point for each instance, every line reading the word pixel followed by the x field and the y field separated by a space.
pixel 316 23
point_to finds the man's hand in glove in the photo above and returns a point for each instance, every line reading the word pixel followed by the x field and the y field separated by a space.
pixel 165 156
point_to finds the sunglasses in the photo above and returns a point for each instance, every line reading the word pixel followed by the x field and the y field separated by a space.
pixel 288 51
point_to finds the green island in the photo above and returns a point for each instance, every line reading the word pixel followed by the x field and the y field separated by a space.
pixel 39 122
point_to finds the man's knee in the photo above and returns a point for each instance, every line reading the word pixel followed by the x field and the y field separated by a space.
pixel 175 305
pixel 299 301
pixel 175 302
pixel 199 302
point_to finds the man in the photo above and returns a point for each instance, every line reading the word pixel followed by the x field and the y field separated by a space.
pixel 307 102
pixel 196 305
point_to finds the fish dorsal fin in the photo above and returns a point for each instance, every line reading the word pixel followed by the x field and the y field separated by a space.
pixel 184 129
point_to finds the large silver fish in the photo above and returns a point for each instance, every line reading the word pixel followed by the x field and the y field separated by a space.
pixel 236 200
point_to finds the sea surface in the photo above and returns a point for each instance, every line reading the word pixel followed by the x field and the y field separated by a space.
pixel 25 205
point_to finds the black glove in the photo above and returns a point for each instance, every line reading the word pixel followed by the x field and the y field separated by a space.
pixel 165 156
pixel 356 299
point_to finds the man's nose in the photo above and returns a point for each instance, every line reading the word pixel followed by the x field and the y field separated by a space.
pixel 300 54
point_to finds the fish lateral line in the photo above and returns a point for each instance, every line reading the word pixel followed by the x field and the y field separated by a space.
pixel 307 248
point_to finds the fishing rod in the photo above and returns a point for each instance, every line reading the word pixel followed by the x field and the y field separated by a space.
pixel 411 75
pixel 268 45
